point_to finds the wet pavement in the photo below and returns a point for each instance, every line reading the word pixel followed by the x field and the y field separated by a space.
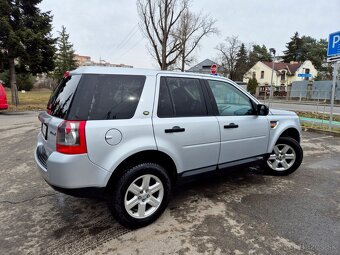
pixel 239 212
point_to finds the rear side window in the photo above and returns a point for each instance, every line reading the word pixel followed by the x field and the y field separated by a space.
pixel 61 98
pixel 103 96
pixel 180 97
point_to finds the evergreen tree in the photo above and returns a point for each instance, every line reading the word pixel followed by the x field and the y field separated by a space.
pixel 314 50
pixel 25 39
pixel 242 63
pixel 294 50
pixel 259 53
pixel 65 55
pixel 252 85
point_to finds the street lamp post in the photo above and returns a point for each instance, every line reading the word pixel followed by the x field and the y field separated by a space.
pixel 273 51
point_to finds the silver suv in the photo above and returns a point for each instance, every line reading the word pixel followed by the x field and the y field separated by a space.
pixel 130 133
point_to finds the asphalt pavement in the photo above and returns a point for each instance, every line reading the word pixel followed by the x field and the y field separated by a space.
pixel 238 212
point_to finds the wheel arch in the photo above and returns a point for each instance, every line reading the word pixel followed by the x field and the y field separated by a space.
pixel 290 131
pixel 154 156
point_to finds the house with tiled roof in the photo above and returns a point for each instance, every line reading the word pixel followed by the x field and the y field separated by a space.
pixel 284 73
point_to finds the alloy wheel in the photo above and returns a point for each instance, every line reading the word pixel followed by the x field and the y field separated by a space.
pixel 144 196
pixel 282 157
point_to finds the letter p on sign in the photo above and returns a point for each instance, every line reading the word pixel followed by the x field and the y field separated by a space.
pixel 333 50
pixel 336 39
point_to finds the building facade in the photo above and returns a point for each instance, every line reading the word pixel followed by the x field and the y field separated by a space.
pixel 86 61
pixel 284 73
pixel 82 60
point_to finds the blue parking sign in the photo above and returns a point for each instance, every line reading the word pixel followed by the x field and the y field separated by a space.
pixel 334 44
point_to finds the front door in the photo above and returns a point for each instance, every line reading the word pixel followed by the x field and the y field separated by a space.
pixel 244 134
pixel 182 126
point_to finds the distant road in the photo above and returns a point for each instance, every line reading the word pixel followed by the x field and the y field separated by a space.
pixel 305 107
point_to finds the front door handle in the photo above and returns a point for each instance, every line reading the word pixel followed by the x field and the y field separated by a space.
pixel 174 129
pixel 231 125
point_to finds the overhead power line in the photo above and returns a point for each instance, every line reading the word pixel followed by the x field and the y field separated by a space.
pixel 128 37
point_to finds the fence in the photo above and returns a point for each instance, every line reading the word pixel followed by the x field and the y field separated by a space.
pixel 311 101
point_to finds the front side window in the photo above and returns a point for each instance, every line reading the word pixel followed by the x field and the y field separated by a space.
pixel 180 97
pixel 230 101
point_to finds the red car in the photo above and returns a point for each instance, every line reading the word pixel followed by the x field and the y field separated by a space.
pixel 3 98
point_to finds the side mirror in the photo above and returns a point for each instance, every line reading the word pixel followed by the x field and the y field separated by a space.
pixel 262 110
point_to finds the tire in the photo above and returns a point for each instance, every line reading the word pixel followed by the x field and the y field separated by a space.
pixel 285 158
pixel 132 193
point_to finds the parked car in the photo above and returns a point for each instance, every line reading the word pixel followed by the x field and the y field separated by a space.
pixel 130 133
pixel 3 98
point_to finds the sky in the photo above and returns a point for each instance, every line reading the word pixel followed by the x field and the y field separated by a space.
pixel 108 29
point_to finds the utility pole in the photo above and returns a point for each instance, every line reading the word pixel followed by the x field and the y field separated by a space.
pixel 273 51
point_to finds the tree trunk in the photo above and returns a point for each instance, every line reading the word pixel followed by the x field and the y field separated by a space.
pixel 183 57
pixel 13 82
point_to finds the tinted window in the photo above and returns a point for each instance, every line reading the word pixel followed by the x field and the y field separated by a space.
pixel 230 101
pixel 102 96
pixel 181 97
pixel 61 98
pixel 165 106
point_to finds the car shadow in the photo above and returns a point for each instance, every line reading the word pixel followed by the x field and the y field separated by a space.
pixel 90 220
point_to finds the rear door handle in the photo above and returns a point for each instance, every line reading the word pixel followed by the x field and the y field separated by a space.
pixel 174 129
pixel 231 125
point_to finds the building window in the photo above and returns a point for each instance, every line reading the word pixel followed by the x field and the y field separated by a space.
pixel 254 75
pixel 283 76
pixel 307 71
pixel 262 74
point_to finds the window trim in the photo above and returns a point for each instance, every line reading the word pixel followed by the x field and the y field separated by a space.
pixel 213 100
pixel 208 108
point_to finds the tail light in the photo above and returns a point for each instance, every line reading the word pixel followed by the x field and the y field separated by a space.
pixel 71 137
pixel 49 109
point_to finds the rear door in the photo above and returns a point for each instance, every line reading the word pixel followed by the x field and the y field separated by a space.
pixel 183 124
pixel 244 134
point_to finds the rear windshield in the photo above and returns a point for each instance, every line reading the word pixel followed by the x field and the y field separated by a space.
pixel 103 96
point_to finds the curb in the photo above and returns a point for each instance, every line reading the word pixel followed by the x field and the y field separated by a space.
pixel 325 132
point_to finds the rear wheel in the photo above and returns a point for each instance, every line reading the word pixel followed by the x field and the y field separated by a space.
pixel 141 195
pixel 285 158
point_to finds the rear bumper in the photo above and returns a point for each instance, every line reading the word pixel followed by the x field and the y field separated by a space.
pixel 66 172
pixel 91 192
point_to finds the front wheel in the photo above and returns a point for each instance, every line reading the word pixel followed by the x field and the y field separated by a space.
pixel 285 158
pixel 141 195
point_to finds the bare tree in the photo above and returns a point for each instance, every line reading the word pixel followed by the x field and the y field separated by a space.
pixel 159 21
pixel 192 28
pixel 228 53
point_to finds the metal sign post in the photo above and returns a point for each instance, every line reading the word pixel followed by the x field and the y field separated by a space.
pixel 333 55
pixel 335 74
